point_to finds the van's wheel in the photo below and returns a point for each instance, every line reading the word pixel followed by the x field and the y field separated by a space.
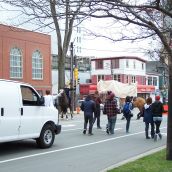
pixel 47 136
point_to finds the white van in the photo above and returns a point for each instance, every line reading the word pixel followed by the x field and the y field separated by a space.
pixel 24 116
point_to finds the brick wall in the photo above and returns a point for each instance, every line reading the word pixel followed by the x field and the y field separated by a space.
pixel 28 42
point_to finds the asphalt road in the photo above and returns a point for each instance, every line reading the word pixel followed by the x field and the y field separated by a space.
pixel 75 152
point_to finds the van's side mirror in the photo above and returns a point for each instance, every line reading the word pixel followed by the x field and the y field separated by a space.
pixel 41 101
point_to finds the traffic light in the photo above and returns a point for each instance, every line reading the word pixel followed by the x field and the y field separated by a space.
pixel 78 81
pixel 76 73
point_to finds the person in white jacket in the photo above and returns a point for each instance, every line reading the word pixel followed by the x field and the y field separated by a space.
pixel 48 99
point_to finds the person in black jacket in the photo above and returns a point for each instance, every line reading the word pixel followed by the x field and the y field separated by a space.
pixel 157 110
pixel 97 101
pixel 89 107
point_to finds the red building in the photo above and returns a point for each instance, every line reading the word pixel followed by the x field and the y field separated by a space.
pixel 25 56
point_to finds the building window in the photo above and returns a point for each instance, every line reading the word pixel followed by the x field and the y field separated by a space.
pixel 115 63
pixel 78 30
pixel 142 66
pixel 117 78
pixel 134 64
pixel 100 77
pixel 149 80
pixel 133 79
pixel 16 66
pixel 99 64
pixel 127 79
pixel 78 39
pixel 155 81
pixel 127 64
pixel 37 65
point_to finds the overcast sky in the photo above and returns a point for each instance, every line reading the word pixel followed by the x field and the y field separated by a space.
pixel 91 46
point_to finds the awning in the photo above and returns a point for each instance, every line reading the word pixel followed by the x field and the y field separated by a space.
pixel 92 89
pixel 145 88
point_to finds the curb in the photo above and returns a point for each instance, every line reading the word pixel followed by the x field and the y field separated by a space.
pixel 133 159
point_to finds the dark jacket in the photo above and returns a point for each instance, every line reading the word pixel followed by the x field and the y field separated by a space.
pixel 157 109
pixel 148 117
pixel 88 106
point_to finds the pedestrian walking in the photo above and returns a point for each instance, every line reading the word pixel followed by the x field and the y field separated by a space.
pixel 127 112
pixel 148 118
pixel 157 110
pixel 111 110
pixel 97 101
pixel 48 99
pixel 89 107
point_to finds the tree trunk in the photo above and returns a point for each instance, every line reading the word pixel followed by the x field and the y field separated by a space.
pixel 61 70
pixel 169 125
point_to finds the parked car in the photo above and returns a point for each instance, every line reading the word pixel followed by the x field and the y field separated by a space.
pixel 24 116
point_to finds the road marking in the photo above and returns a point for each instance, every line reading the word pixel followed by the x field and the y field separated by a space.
pixel 72 147
pixel 68 125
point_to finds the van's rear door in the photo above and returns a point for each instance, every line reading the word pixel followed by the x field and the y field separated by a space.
pixel 9 111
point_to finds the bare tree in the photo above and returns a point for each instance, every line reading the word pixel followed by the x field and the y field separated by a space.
pixel 58 15
pixel 154 18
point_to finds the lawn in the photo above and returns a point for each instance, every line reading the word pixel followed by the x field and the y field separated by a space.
pixel 153 163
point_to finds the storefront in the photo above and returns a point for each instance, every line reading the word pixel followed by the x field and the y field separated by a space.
pixel 145 91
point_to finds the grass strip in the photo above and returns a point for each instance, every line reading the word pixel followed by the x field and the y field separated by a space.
pixel 152 163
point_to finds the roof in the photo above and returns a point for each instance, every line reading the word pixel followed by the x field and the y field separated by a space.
pixel 119 57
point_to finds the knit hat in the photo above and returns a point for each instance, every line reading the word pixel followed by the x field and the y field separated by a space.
pixel 111 96
pixel 157 98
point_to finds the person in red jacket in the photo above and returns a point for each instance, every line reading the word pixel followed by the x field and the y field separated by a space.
pixel 111 110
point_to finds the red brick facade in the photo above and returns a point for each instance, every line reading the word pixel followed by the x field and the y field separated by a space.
pixel 28 42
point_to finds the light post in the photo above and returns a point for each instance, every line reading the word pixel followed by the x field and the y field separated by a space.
pixel 71 78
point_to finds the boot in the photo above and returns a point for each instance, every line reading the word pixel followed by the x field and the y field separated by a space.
pixel 147 136
pixel 84 132
pixel 160 135
pixel 155 137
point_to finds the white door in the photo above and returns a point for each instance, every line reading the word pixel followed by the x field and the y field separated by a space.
pixel 9 111
pixel 31 116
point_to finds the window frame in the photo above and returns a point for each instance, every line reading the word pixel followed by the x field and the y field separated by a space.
pixel 99 64
pixel 27 102
pixel 100 77
pixel 39 66
pixel 115 63
pixel 16 71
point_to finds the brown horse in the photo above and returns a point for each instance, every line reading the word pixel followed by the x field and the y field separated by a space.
pixel 139 103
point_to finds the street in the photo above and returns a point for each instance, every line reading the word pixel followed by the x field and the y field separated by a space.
pixel 75 152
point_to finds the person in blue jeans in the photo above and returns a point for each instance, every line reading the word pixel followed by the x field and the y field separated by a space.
pixel 89 107
pixel 111 110
pixel 127 113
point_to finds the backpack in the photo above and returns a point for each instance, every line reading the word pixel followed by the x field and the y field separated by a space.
pixel 126 108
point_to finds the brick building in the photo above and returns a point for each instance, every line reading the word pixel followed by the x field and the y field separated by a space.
pixel 25 56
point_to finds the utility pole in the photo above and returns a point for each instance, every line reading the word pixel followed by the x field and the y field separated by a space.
pixel 71 78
